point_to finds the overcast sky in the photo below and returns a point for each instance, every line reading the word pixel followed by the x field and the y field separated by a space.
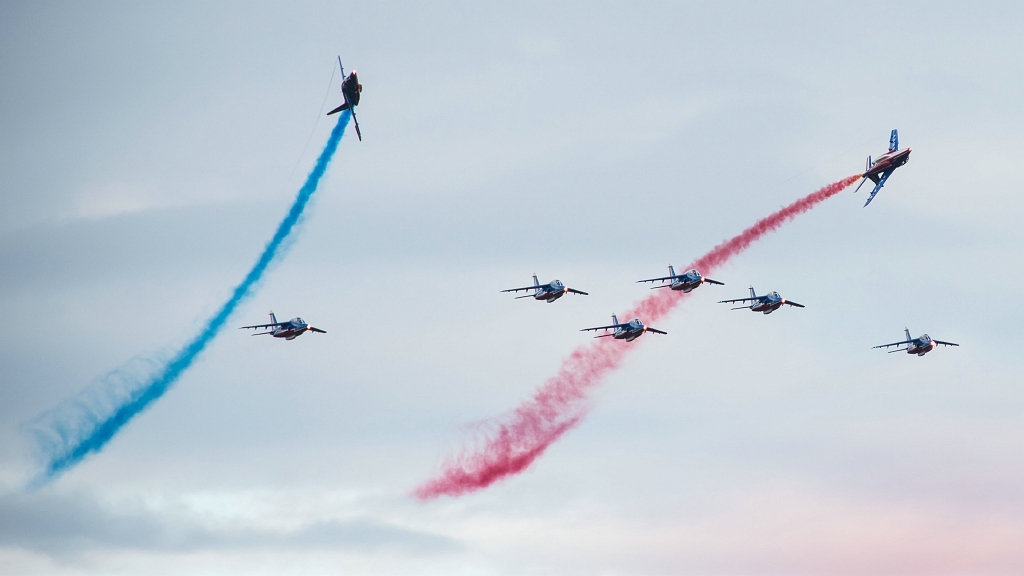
pixel 148 152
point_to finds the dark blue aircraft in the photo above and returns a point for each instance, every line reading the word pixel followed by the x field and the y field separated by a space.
pixel 550 292
pixel 880 170
pixel 289 330
pixel 686 281
pixel 350 90
pixel 629 331
pixel 767 303
pixel 921 345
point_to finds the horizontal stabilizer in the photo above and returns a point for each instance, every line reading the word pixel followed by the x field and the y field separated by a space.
pixel 339 109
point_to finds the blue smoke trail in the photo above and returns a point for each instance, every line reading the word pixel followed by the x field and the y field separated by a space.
pixel 84 424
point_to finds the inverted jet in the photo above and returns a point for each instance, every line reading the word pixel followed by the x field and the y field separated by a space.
pixel 289 330
pixel 883 167
pixel 629 331
pixel 350 90
pixel 550 292
pixel 766 303
pixel 921 345
pixel 686 281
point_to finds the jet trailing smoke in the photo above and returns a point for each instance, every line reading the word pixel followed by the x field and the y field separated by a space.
pixel 84 424
pixel 522 436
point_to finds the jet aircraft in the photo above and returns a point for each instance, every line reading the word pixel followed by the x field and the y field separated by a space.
pixel 686 281
pixel 551 291
pixel 629 331
pixel 350 90
pixel 921 345
pixel 766 303
pixel 880 170
pixel 289 330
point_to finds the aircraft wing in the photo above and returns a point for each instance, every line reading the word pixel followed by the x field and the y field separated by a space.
pixel 311 329
pixel 794 304
pixel 655 330
pixel 945 343
pixel 662 279
pixel 879 184
pixel 356 122
pixel 893 344
pixel 758 299
pixel 581 292
pixel 710 281
pixel 523 288
pixel 339 109
pixel 601 328
pixel 274 325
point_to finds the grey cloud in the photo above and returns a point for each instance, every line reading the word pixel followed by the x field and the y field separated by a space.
pixel 67 525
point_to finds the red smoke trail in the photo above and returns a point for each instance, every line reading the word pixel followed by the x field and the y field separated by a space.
pixel 561 402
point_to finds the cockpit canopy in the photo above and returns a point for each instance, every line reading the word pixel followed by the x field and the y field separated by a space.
pixel 775 295
pixel 926 338
pixel 298 320
pixel 636 323
pixel 556 282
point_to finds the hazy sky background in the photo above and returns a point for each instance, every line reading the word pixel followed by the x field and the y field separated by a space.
pixel 148 153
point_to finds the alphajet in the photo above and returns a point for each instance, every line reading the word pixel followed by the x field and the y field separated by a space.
pixel 921 345
pixel 686 281
pixel 767 303
pixel 350 90
pixel 550 292
pixel 629 331
pixel 289 330
pixel 883 167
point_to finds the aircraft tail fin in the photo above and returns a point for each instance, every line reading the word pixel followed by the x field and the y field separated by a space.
pixel 752 293
pixel 536 282
pixel 671 270
pixel 273 319
pixel 867 164
pixel 894 141
pixel 907 330
pixel 615 319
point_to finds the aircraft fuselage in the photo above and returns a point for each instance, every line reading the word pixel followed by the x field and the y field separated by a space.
pixel 291 331
pixel 687 282
pixel 888 161
pixel 351 89
pixel 630 331
pixel 551 291
pixel 921 346
pixel 768 305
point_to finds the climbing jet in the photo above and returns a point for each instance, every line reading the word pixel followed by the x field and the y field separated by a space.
pixel 289 330
pixel 629 331
pixel 350 90
pixel 551 291
pixel 921 345
pixel 767 303
pixel 686 281
pixel 880 170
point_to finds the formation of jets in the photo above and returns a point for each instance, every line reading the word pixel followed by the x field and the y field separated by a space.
pixel 877 171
